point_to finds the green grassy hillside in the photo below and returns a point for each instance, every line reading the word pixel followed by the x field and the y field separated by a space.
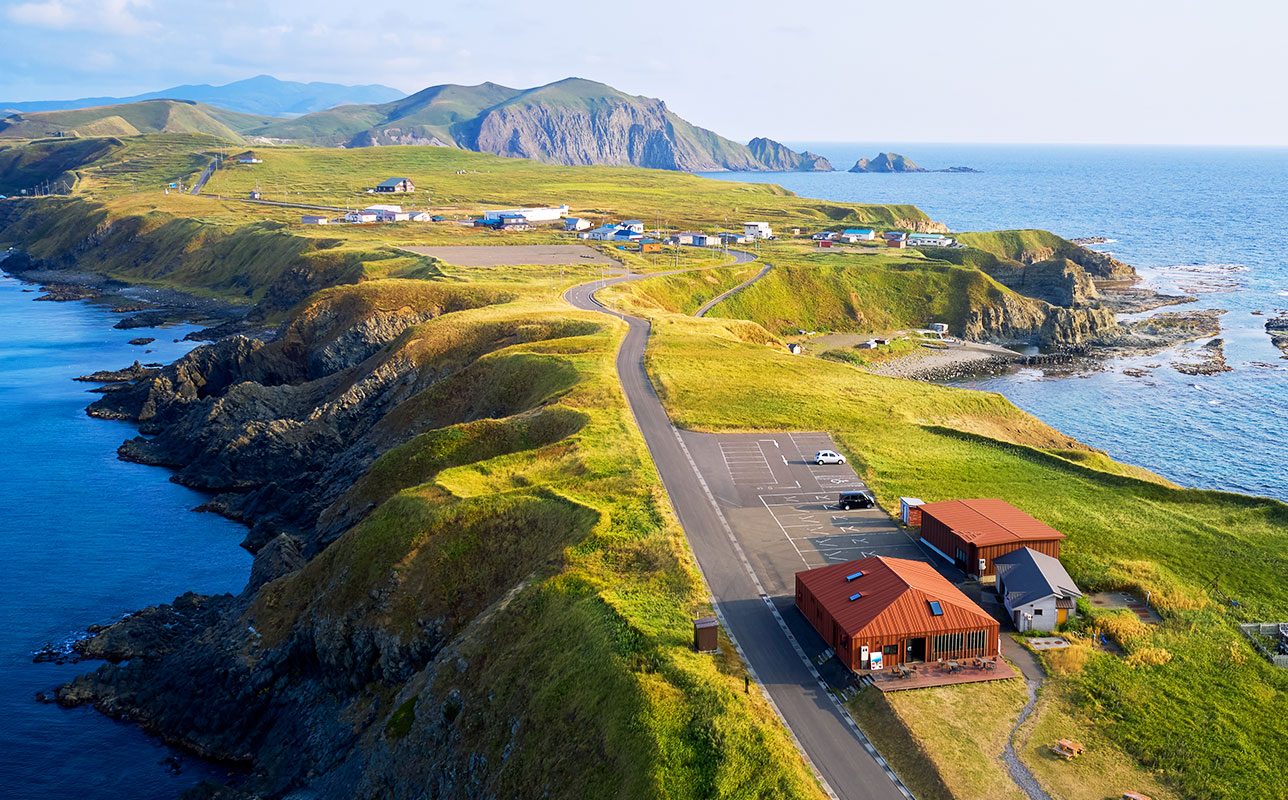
pixel 540 543
pixel 131 119
pixel 52 161
pixel 1031 246
pixel 1211 719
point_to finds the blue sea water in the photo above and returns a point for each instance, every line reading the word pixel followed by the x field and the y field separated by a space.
pixel 1213 220
pixel 85 538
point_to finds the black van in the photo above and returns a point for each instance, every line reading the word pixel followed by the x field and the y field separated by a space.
pixel 849 500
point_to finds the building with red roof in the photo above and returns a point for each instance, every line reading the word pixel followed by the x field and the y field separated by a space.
pixel 972 533
pixel 878 612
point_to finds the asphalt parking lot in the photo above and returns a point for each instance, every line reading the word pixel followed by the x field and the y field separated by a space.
pixel 783 508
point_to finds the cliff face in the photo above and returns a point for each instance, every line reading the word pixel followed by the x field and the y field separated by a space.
pixel 777 157
pixel 1011 319
pixel 1058 281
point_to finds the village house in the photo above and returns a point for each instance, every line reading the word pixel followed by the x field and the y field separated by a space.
pixel 825 236
pixel 544 214
pixel 634 226
pixel 878 612
pixel 854 235
pixel 396 185
pixel 928 240
pixel 360 217
pixel 707 240
pixel 314 219
pixel 757 230
pixel 1036 590
pixel 513 222
pixel 576 224
pixel 973 533
pixel 601 234
pixel 734 238
pixel 682 238
pixel 249 158
pixel 419 216
pixel 387 213
pixel 625 234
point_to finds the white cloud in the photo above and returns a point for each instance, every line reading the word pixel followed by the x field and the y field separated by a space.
pixel 111 16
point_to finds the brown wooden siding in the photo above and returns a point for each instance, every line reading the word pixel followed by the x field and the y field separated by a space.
pixel 944 538
pixel 850 651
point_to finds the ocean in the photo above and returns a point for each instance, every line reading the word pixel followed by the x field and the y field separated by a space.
pixel 1211 220
pixel 84 539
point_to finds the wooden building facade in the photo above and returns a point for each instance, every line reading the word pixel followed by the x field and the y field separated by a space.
pixel 973 533
pixel 878 612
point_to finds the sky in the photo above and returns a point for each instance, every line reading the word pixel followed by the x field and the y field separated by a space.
pixel 1091 71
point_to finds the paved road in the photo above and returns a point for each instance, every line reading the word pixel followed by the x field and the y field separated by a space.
pixel 205 176
pixel 702 312
pixel 839 753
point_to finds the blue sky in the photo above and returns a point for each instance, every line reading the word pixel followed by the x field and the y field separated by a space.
pixel 1128 71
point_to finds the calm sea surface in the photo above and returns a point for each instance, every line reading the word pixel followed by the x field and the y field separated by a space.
pixel 84 538
pixel 1211 219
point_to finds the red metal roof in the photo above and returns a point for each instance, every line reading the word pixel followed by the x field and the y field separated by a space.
pixel 896 598
pixel 986 522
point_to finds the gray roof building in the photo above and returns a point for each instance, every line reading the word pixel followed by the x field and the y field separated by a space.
pixel 1029 576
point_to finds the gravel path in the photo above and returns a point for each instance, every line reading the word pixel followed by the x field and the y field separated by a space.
pixel 1033 677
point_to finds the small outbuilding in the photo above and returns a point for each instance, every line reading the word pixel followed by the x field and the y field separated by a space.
pixel 910 511
pixel 877 612
pixel 396 185
pixel 577 224
pixel 315 219
pixel 1036 590
pixel 973 533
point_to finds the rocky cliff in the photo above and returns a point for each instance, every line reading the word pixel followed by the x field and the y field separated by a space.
pixel 778 157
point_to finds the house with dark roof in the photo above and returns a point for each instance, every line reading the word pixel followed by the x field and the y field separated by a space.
pixel 972 533
pixel 396 185
pixel 1036 590
pixel 877 612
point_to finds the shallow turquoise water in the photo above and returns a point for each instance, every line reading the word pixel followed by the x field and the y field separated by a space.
pixel 1212 218
pixel 84 538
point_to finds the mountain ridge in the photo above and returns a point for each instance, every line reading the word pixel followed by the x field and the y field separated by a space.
pixel 571 122
pixel 262 94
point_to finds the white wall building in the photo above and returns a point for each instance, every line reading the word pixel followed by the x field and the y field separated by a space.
pixel 577 224
pixel 757 230
pixel 1036 590
pixel 360 217
pixel 928 240
pixel 548 214
pixel 314 219
pixel 601 234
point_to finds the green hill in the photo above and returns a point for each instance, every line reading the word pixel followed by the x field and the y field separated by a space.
pixel 132 119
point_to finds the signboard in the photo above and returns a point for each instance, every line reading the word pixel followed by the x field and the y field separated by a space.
pixel 876 659
pixel 863 657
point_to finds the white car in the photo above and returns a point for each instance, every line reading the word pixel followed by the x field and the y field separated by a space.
pixel 828 457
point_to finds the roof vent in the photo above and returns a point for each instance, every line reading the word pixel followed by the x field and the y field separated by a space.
pixel 936 609
pixel 856 595
pixel 853 575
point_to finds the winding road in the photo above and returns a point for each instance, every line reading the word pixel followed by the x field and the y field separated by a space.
pixel 845 762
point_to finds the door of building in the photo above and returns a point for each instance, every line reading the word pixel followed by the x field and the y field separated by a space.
pixel 915 650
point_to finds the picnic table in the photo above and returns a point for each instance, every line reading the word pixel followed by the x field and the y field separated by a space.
pixel 953 666
pixel 985 663
pixel 1067 749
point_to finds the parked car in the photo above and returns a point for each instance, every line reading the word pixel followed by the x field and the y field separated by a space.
pixel 849 500
pixel 828 457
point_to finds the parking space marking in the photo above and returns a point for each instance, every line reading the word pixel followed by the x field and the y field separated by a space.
pixel 747 464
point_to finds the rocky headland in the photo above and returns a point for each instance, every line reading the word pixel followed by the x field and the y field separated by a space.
pixel 1278 330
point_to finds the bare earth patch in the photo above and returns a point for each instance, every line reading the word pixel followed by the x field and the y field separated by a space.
pixel 497 256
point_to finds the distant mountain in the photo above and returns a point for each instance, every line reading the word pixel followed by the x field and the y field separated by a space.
pixel 571 122
pixel 263 94
pixel 780 158
pixel 132 119
pixel 896 162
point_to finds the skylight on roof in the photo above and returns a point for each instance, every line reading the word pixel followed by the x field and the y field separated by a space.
pixel 856 595
pixel 936 609
pixel 853 575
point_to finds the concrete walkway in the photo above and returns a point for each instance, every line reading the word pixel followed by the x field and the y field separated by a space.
pixel 702 312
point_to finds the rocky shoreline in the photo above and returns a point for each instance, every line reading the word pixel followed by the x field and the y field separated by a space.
pixel 1278 330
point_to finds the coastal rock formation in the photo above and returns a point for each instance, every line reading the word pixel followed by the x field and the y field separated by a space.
pixel 1011 319
pixel 322 673
pixel 777 157
pixel 897 162
pixel 1058 281
pixel 1278 330
pixel 886 162
pixel 1210 360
